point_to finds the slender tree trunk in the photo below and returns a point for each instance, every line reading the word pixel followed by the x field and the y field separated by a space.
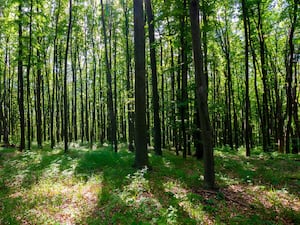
pixel 247 99
pixel 38 100
pixel 28 79
pixel 201 85
pixel 66 107
pixel 155 98
pixel 163 125
pixel 265 113
pixel 128 83
pixel 86 89
pixel 81 97
pixel 111 111
pixel 5 100
pixel 92 133
pixel 289 77
pixel 184 93
pixel 74 92
pixel 20 79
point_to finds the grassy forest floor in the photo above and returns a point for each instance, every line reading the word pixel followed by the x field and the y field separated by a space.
pixel 101 187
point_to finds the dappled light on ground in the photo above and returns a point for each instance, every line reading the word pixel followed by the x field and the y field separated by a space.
pixel 100 186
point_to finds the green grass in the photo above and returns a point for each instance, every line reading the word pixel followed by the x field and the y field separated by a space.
pixel 101 187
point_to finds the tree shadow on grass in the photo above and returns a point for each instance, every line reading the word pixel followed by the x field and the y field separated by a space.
pixel 171 192
pixel 231 204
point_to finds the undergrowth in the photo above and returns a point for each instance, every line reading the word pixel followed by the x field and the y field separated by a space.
pixel 99 186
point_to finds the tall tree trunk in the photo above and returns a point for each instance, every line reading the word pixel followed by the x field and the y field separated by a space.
pixel 86 88
pixel 163 125
pixel 111 111
pixel 184 93
pixel 92 133
pixel 5 99
pixel 66 107
pixel 141 153
pixel 74 91
pixel 247 99
pixel 155 98
pixel 28 79
pixel 20 78
pixel 81 96
pixel 289 77
pixel 128 83
pixel 201 85
pixel 38 100
pixel 265 113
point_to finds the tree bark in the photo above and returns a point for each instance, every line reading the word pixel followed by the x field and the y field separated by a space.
pixel 155 97
pixel 141 153
pixel 66 106
pixel 110 105
pixel 247 100
pixel 201 85
pixel 21 79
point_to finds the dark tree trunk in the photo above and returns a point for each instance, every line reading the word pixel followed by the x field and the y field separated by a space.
pixel 184 93
pixel 28 79
pixel 289 78
pixel 247 100
pixel 86 90
pixel 81 97
pixel 201 85
pixel 130 108
pixel 38 100
pixel 66 107
pixel 20 79
pixel 265 113
pixel 155 98
pixel 163 124
pixel 5 105
pixel 54 71
pixel 141 153
pixel 110 105
pixel 92 132
pixel 74 92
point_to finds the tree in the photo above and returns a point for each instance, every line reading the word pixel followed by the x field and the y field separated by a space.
pixel 155 98
pixel 112 116
pixel 247 100
pixel 201 86
pixel 141 153
pixel 291 107
pixel 20 78
pixel 128 79
pixel 66 106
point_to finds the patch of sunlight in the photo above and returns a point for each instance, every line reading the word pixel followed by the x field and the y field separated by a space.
pixel 65 201
pixel 74 145
pixel 167 163
pixel 55 169
pixel 273 198
pixel 227 180
pixel 137 193
pixel 194 210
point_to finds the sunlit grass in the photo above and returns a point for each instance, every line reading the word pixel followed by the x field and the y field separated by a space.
pixel 98 186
